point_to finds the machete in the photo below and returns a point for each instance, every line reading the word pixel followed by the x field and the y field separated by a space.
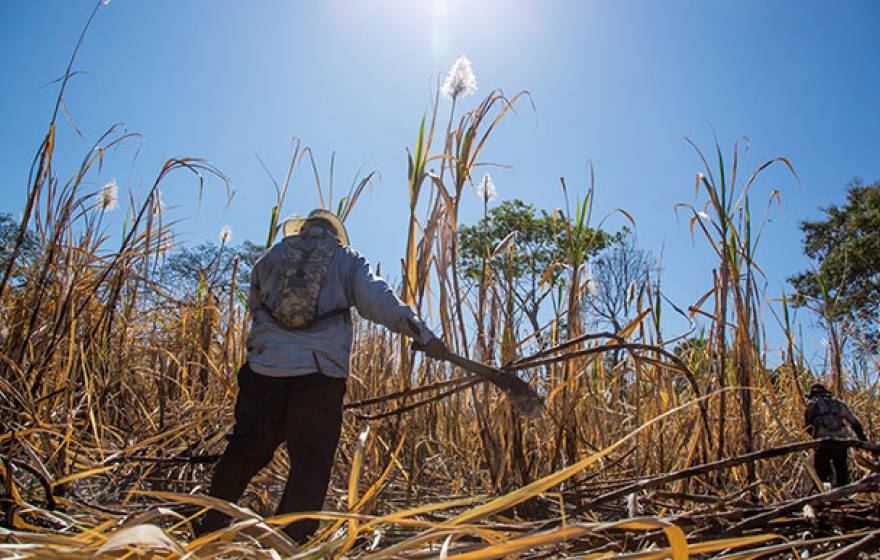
pixel 521 395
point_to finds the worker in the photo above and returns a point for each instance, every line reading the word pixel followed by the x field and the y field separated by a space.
pixel 827 417
pixel 291 387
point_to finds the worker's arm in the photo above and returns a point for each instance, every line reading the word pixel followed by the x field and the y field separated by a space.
pixel 854 423
pixel 375 300
pixel 809 421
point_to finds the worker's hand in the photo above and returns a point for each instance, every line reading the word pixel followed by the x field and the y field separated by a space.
pixel 436 348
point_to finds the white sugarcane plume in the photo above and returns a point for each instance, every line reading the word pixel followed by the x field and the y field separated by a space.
pixel 108 197
pixel 461 80
pixel 225 234
pixel 486 189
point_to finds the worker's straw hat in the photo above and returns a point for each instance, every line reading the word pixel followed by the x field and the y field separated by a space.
pixel 295 224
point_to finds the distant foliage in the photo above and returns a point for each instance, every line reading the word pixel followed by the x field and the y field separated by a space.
pixel 620 273
pixel 9 228
pixel 211 265
pixel 532 261
pixel 539 246
pixel 844 283
pixel 538 239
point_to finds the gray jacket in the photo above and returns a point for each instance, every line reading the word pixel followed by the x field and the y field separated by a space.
pixel 826 417
pixel 325 346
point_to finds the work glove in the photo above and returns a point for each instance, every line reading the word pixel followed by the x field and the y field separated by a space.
pixel 436 348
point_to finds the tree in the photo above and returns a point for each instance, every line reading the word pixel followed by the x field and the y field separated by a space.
pixel 9 229
pixel 619 274
pixel 211 265
pixel 532 267
pixel 843 286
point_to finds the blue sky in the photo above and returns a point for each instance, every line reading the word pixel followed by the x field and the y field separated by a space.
pixel 616 83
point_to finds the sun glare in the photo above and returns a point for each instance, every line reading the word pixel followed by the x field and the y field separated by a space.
pixel 439 27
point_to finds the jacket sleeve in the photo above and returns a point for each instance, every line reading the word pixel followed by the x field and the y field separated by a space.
pixel 810 420
pixel 254 296
pixel 853 422
pixel 375 300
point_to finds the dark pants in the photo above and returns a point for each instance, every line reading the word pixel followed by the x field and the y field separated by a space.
pixel 825 457
pixel 303 412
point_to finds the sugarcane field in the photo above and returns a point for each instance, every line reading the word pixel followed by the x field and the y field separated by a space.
pixel 439 279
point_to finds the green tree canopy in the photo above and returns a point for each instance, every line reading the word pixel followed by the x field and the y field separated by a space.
pixel 537 239
pixel 844 284
pixel 9 228
pixel 539 249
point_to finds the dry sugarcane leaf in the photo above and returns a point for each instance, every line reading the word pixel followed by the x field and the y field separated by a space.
pixel 140 536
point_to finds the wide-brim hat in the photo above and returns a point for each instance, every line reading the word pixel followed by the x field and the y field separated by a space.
pixel 295 224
